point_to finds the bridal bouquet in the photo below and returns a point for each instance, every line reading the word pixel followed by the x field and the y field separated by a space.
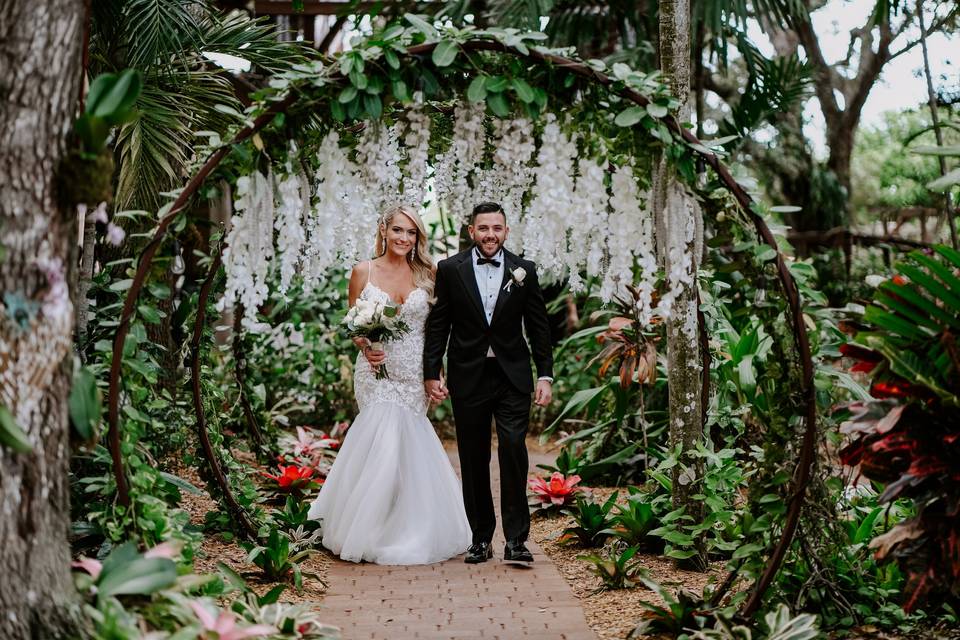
pixel 378 322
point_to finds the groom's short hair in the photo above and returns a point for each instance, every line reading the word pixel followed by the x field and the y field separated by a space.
pixel 487 207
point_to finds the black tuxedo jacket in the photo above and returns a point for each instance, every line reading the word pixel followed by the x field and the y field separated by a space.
pixel 458 315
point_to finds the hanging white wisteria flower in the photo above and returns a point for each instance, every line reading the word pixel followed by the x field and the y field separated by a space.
pixel 249 249
pixel 589 231
pixel 550 216
pixel 330 224
pixel 511 175
pixel 630 239
pixel 416 142
pixel 379 178
pixel 378 155
pixel 457 166
pixel 289 224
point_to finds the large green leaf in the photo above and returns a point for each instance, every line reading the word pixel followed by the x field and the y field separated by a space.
pixel 141 576
pixel 85 404
pixel 445 53
pixel 579 401
pixel 929 311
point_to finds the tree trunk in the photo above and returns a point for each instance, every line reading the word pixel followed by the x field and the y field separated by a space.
pixel 938 132
pixel 84 279
pixel 40 54
pixel 679 230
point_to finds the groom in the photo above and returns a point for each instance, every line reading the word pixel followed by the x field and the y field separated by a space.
pixel 485 297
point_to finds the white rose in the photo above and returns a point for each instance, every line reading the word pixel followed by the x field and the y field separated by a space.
pixel 519 274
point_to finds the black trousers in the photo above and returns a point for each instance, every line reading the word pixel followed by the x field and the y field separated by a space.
pixel 499 401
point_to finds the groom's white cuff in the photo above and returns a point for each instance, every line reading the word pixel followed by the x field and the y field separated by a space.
pixel 547 378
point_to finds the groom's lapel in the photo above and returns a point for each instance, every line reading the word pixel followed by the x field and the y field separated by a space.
pixel 508 266
pixel 465 269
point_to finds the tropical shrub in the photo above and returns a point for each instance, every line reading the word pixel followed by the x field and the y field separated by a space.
pixel 908 435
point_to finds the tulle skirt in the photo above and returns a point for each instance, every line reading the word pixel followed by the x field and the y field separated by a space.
pixel 392 496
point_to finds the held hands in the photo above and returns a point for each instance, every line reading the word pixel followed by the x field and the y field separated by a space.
pixel 436 390
pixel 375 358
pixel 543 393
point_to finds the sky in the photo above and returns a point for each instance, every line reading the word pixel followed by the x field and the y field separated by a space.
pixel 901 83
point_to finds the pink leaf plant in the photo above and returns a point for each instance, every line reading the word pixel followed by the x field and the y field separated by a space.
pixel 224 626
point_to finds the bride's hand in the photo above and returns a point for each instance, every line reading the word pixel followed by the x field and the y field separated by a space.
pixel 375 358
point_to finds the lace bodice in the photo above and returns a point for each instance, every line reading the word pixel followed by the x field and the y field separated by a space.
pixel 404 358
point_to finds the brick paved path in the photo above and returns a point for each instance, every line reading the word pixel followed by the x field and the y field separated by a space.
pixel 454 600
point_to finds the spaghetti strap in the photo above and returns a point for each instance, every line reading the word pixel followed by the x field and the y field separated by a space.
pixel 369 270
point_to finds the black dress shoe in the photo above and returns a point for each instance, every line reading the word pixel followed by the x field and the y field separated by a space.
pixel 478 552
pixel 517 552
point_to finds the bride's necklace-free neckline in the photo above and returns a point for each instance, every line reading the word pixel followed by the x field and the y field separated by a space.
pixel 392 298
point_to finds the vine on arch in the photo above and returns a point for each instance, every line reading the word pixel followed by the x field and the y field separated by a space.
pixel 374 82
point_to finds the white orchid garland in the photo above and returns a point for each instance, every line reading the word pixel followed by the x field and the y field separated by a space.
pixel 249 249
pixel 457 167
pixel 416 142
pixel 289 225
pixel 549 216
pixel 582 219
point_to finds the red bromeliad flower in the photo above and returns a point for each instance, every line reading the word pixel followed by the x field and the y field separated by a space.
pixel 557 491
pixel 291 477
pixel 866 359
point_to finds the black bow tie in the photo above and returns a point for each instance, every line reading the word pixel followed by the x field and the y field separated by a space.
pixel 495 263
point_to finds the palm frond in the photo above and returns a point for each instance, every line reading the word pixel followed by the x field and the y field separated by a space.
pixel 153 149
pixel 251 39
pixel 158 30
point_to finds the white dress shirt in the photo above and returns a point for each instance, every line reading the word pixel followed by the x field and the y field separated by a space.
pixel 489 278
pixel 489 281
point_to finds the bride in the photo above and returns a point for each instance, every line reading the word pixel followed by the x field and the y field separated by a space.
pixel 392 496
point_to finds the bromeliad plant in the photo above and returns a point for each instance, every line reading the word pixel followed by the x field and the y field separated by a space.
pixel 591 522
pixel 634 521
pixel 279 558
pixel 618 569
pixel 908 436
pixel 555 493
pixel 293 479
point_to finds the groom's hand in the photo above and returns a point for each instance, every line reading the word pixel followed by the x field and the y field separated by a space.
pixel 435 389
pixel 543 394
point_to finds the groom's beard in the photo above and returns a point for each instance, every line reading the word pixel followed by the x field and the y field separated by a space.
pixel 483 251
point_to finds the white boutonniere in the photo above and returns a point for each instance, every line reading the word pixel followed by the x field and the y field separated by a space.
pixel 516 276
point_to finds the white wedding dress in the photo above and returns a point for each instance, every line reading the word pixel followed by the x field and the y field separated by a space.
pixel 392 496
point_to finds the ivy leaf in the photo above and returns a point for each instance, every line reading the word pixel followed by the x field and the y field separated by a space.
pixel 477 91
pixel 392 59
pixel 358 79
pixel 496 84
pixel 149 314
pixel 11 435
pixel 373 105
pixel 445 53
pixel 629 116
pixel 421 25
pixel 399 90
pixel 524 90
pixel 86 407
pixel 498 104
pixel 656 110
pixel 347 95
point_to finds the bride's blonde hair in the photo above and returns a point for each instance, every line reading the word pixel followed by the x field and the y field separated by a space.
pixel 419 257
